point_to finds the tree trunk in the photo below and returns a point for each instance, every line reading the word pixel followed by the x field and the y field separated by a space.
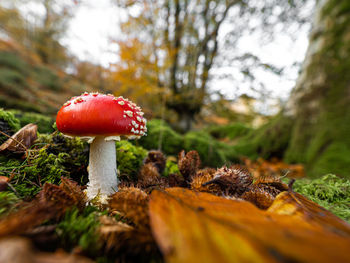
pixel 185 121
pixel 320 102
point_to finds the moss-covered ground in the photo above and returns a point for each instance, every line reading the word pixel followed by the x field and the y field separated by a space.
pixel 54 155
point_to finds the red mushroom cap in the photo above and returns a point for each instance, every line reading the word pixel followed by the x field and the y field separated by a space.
pixel 93 114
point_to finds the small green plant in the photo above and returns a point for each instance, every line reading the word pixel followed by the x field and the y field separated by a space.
pixel 329 191
pixel 171 167
pixel 80 229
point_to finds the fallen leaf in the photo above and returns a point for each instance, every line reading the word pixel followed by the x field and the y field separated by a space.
pixel 50 203
pixel 21 140
pixel 200 227
pixel 19 250
pixel 296 205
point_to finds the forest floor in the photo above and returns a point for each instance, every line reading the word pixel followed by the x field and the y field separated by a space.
pixel 167 208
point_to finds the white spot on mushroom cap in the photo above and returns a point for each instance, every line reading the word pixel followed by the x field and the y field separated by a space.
pixel 129 113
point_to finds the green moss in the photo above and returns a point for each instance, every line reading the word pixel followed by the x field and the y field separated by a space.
pixel 80 229
pixel 129 159
pixel 12 121
pixel 171 141
pixel 231 131
pixel 270 140
pixel 9 124
pixel 206 146
pixel 329 191
pixel 51 158
pixel 334 159
pixel 44 122
pixel 230 153
pixel 320 137
pixel 7 202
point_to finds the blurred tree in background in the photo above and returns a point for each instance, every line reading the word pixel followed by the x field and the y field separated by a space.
pixel 320 102
pixel 171 47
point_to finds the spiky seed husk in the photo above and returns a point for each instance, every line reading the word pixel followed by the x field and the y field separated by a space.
pixel 132 203
pixel 203 176
pixel 149 175
pixel 259 197
pixel 232 181
pixel 189 164
pixel 157 158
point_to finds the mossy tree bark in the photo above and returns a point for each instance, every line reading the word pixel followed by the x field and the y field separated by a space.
pixel 320 102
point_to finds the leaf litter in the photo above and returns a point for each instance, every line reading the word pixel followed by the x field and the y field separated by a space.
pixel 226 214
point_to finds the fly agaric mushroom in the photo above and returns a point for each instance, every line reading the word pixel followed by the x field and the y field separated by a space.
pixel 103 119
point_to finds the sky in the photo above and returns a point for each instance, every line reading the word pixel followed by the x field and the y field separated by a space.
pixel 95 23
pixel 91 29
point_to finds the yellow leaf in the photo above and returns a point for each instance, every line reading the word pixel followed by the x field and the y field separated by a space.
pixel 200 227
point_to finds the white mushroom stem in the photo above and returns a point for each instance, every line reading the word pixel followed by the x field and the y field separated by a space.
pixel 102 169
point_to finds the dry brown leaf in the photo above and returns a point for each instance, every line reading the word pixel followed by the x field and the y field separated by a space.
pixel 21 140
pixel 51 203
pixel 200 227
pixel 296 205
pixel 20 250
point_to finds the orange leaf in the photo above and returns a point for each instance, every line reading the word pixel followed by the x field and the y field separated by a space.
pixel 200 227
